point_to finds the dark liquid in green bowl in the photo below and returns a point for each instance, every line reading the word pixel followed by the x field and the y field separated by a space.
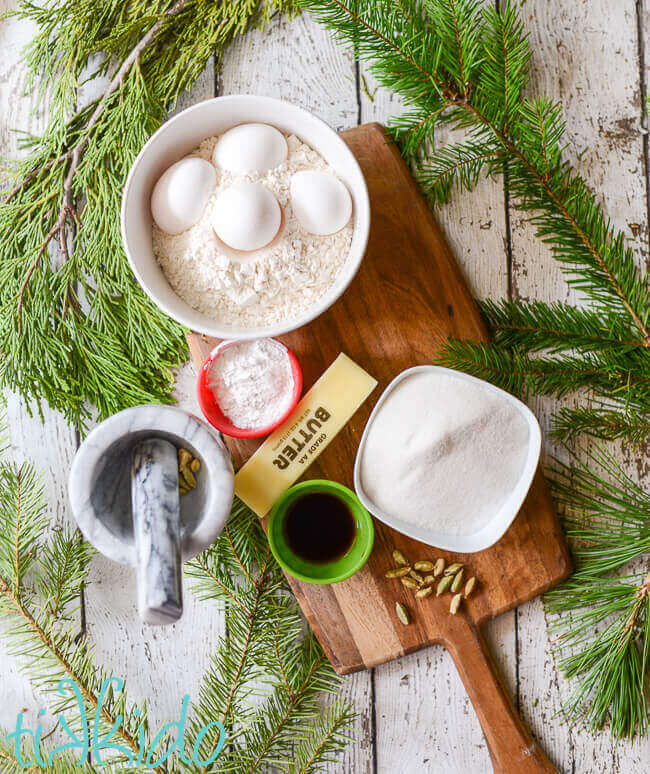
pixel 319 527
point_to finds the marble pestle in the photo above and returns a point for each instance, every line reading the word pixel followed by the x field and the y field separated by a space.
pixel 157 530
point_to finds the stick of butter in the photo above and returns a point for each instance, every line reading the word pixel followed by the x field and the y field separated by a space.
pixel 290 450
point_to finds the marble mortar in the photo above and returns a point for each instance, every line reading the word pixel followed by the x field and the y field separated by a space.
pixel 100 482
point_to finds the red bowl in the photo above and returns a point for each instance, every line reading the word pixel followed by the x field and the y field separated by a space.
pixel 210 407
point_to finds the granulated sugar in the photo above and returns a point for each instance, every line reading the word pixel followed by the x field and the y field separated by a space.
pixel 277 283
pixel 443 453
pixel 253 383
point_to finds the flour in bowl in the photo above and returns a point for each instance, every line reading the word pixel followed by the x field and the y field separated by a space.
pixel 443 453
pixel 277 283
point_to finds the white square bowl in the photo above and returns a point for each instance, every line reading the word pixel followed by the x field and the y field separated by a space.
pixel 503 518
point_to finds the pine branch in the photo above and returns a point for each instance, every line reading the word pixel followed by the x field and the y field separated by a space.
pixel 460 166
pixel 564 211
pixel 291 713
pixel 607 376
pixel 607 424
pixel 38 628
pixel 557 327
pixel 265 643
pixel 64 764
pixel 605 513
pixel 324 742
pixel 603 618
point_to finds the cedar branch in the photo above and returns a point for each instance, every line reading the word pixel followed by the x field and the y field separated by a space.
pixel 74 154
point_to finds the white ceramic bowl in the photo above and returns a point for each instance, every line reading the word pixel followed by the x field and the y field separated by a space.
pixel 182 134
pixel 502 519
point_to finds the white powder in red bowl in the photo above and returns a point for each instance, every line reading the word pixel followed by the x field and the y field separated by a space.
pixel 253 383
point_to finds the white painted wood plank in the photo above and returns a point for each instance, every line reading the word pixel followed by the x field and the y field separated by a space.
pixel 425 721
pixel 297 61
pixel 294 60
pixel 585 55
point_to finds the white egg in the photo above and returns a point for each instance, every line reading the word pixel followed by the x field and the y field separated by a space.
pixel 250 148
pixel 246 216
pixel 320 201
pixel 181 193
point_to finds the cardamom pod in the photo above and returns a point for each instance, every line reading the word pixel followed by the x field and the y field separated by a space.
pixel 470 585
pixel 398 572
pixel 195 465
pixel 399 557
pixel 184 462
pixel 453 568
pixel 423 566
pixel 444 584
pixel 439 567
pixel 409 582
pixel 402 613
pixel 458 580
pixel 184 457
pixel 429 579
pixel 416 576
pixel 424 592
pixel 455 604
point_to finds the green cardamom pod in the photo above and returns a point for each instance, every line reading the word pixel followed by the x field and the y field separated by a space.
pixel 402 613
pixel 399 557
pixel 455 604
pixel 458 580
pixel 470 586
pixel 398 572
pixel 453 568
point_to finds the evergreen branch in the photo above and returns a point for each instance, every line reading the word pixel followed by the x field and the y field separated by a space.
pixel 613 377
pixel 60 654
pixel 73 155
pixel 76 331
pixel 603 620
pixel 505 71
pixel 611 669
pixel 608 424
pixel 564 211
pixel 272 733
pixel 324 742
pixel 617 529
pixel 64 764
pixel 557 327
pixel 59 569
pixel 265 641
pixel 460 165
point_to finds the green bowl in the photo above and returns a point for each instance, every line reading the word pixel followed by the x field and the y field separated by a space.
pixel 331 572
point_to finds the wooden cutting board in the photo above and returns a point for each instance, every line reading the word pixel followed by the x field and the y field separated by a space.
pixel 408 297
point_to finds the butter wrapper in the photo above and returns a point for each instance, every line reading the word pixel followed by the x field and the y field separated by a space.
pixel 291 448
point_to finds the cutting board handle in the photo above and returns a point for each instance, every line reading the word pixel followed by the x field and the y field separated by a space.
pixel 512 749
